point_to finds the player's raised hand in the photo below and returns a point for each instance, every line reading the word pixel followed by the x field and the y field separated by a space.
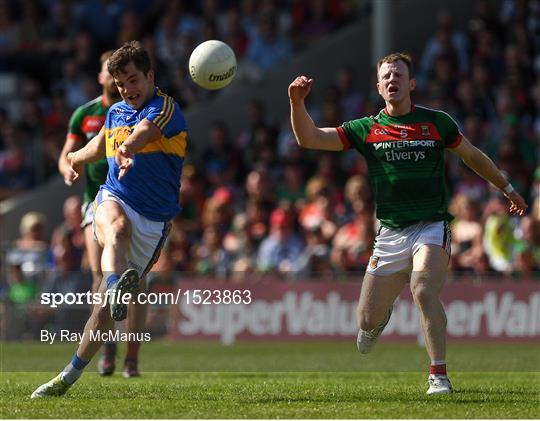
pixel 300 88
pixel 73 172
pixel 517 203
pixel 124 158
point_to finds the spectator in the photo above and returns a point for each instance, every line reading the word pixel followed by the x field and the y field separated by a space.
pixel 319 209
pixel 291 189
pixel 192 197
pixel 21 293
pixel 267 48
pixel 498 240
pixel 217 214
pixel 22 290
pixel 70 231
pixel 314 262
pixel 178 250
pixel 447 42
pixel 257 217
pixel 15 173
pixel 356 189
pixel 10 36
pixel 211 258
pixel 527 247
pixel 102 18
pixel 234 34
pixel 351 100
pixel 351 247
pixel 241 245
pixel 64 279
pixel 259 186
pixel 467 232
pixel 280 251
pixel 73 84
pixel 221 152
pixel 30 250
pixel 130 27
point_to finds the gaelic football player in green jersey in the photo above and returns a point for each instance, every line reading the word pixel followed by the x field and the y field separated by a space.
pixel 404 149
pixel 85 123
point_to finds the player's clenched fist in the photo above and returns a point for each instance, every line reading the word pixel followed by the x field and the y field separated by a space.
pixel 300 88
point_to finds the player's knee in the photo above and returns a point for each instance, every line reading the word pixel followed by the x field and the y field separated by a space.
pixel 119 230
pixel 424 295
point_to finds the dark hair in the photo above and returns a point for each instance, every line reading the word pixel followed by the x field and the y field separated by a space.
pixel 132 51
pixel 392 58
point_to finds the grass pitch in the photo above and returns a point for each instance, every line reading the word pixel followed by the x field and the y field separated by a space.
pixel 262 380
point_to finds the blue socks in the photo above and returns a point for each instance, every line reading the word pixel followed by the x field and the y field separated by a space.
pixel 111 280
pixel 78 363
pixel 73 370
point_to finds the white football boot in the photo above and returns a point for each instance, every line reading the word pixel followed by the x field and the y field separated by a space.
pixel 54 387
pixel 439 384
pixel 368 338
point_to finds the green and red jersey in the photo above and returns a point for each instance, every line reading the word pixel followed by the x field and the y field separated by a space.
pixel 85 123
pixel 405 158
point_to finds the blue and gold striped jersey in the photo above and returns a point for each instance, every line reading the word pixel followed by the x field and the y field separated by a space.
pixel 151 187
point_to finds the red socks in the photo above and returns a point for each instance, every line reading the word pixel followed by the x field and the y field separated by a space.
pixel 439 369
pixel 133 350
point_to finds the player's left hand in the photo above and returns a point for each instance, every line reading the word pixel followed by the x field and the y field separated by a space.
pixel 124 159
pixel 72 174
pixel 517 203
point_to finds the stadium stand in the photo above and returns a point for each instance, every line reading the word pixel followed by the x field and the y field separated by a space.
pixel 242 185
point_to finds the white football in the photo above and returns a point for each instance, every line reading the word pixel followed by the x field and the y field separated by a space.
pixel 212 65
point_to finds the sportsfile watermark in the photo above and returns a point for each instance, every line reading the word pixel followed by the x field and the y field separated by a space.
pixel 112 296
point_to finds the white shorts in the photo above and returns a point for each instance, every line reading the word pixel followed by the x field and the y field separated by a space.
pixel 87 212
pixel 147 237
pixel 393 250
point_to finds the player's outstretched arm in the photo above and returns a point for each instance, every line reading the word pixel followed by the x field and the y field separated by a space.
pixel 306 133
pixel 145 132
pixel 92 151
pixel 480 163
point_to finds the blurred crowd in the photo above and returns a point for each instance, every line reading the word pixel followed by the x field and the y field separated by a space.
pixel 49 58
pixel 257 206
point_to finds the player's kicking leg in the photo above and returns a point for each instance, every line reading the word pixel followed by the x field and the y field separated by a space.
pixel 100 320
pixel 427 279
pixel 113 230
pixel 375 306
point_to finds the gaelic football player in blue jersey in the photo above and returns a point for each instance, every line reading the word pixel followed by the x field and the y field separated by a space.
pixel 85 123
pixel 144 141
